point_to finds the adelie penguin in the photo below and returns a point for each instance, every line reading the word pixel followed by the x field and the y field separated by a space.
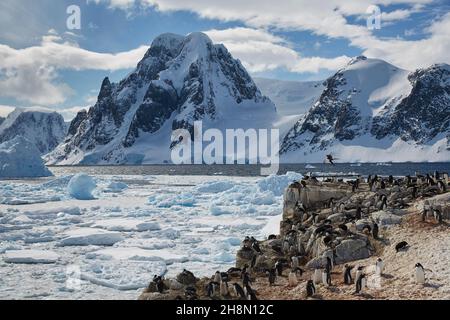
pixel 359 272
pixel 326 277
pixel 279 268
pixel 375 231
pixel 310 289
pixel 348 274
pixel 293 281
pixel 361 283
pixel 379 266
pixel 246 279
pixel 218 277
pixel 212 288
pixel 239 292
pixel 158 280
pixel 272 276
pixel 419 273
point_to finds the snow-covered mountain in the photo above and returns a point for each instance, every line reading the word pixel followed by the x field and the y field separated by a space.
pixel 1 120
pixel 180 80
pixel 42 127
pixel 374 111
pixel 292 98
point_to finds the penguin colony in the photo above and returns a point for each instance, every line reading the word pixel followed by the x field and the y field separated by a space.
pixel 291 251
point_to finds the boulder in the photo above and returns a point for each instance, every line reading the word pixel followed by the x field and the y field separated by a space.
pixel 244 257
pixel 186 278
pixel 384 218
pixel 351 250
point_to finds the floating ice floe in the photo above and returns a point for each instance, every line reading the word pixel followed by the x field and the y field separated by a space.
pixel 137 254
pixel 31 256
pixel 215 187
pixel 81 186
pixel 90 236
pixel 116 187
pixel 127 225
pixel 19 158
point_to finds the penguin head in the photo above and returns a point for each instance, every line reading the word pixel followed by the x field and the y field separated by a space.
pixel 418 265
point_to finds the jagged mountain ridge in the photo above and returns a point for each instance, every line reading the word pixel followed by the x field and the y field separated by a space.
pixel 180 80
pixel 42 127
pixel 373 111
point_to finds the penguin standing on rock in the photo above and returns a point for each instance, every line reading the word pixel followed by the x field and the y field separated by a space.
pixel 317 277
pixel 348 274
pixel 379 266
pixel 293 281
pixel 375 231
pixel 310 289
pixel 361 283
pixel 239 292
pixel 295 262
pixel 224 288
pixel 326 277
pixel 218 277
pixel 359 272
pixel 279 268
pixel 420 273
pixel 272 275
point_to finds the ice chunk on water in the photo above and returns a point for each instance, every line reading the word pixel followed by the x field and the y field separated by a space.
pixel 277 184
pixel 90 236
pixel 31 256
pixel 215 186
pixel 116 187
pixel 127 225
pixel 81 186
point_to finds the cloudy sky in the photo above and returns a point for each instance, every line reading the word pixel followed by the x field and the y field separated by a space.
pixel 45 62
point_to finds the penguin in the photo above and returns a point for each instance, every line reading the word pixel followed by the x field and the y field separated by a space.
pixel 310 289
pixel 256 247
pixel 295 262
pixel 358 215
pixel 437 215
pixel 401 246
pixel 217 277
pixel 239 292
pixel 329 266
pixel 375 231
pixel 158 280
pixel 190 293
pixel 383 204
pixel 246 279
pixel 348 274
pixel 391 179
pixel 442 186
pixel 326 277
pixel 224 288
pixel 286 246
pixel 317 277
pixel 414 192
pixel 272 237
pixel 250 293
pixel 359 272
pixel 361 283
pixel 212 288
pixel 420 273
pixel 272 275
pixel 379 266
pixel 382 184
pixel 293 281
pixel 299 272
pixel 279 268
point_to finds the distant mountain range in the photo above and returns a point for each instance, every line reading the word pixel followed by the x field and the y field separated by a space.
pixel 370 111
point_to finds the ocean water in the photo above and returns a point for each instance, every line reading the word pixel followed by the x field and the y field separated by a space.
pixel 364 169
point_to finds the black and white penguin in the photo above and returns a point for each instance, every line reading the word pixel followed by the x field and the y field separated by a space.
pixel 383 204
pixel 246 280
pixel 279 268
pixel 239 292
pixel 437 215
pixel 218 277
pixel 310 289
pixel 326 277
pixel 250 293
pixel 159 281
pixel 375 231
pixel 295 262
pixel 272 276
pixel 224 288
pixel 329 266
pixel 299 272
pixel 361 283
pixel 317 276
pixel 359 272
pixel 293 281
pixel 358 215
pixel 348 274
pixel 420 273
pixel 256 247
pixel 212 289
pixel 379 266
pixel 401 246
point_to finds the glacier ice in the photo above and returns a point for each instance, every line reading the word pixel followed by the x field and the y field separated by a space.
pixel 81 186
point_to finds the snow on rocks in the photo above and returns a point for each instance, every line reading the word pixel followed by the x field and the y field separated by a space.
pixel 90 236
pixel 19 158
pixel 81 186
pixel 31 256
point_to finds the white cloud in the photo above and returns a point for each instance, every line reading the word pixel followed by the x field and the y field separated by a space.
pixel 70 113
pixel 5 110
pixel 327 18
pixel 261 51
pixel 30 74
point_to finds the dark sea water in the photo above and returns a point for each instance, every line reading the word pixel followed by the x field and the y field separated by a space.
pixel 364 169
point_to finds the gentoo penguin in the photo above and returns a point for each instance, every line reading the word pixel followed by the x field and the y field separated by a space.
pixel 348 274
pixel 293 281
pixel 239 292
pixel 420 273
pixel 375 231
pixel 401 246
pixel 295 262
pixel 317 277
pixel 310 289
pixel 272 275
pixel 279 268
pixel 359 272
pixel 218 277
pixel 361 283
pixel 326 277
pixel 379 266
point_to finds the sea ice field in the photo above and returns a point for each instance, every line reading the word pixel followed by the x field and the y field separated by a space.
pixel 105 237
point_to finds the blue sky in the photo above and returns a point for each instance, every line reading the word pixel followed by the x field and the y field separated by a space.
pixel 46 64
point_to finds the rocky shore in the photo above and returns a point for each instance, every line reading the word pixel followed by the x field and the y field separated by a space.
pixel 332 226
